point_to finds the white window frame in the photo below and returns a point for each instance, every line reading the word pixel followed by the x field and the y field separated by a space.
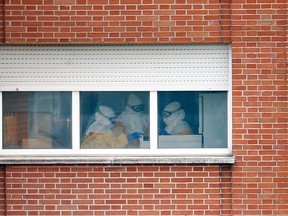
pixel 76 154
pixel 153 150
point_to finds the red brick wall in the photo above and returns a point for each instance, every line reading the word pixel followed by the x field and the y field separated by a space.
pixel 257 184
pixel 259 43
pixel 1 21
pixel 117 21
pixel 118 190
pixel 2 190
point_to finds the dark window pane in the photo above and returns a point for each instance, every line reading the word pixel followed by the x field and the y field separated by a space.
pixel 36 120
pixel 192 119
pixel 114 119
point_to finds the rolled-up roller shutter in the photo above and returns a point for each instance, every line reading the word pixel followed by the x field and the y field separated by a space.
pixel 137 67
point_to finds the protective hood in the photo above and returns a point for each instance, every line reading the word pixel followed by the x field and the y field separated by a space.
pixel 102 123
pixel 133 100
pixel 174 118
pixel 134 121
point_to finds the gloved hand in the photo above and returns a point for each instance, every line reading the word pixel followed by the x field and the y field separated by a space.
pixel 135 135
pixel 162 131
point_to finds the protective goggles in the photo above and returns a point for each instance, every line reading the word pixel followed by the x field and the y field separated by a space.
pixel 111 119
pixel 137 108
pixel 166 114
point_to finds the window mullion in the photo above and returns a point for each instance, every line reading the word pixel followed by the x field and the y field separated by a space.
pixel 1 120
pixel 75 121
pixel 153 120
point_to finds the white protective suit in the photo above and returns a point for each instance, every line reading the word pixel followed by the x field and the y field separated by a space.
pixel 103 132
pixel 132 120
pixel 173 117
pixel 102 123
pixel 135 122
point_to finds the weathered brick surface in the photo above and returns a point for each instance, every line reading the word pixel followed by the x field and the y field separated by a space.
pixel 257 184
pixel 118 190
pixel 125 21
pixel 2 191
pixel 260 177
pixel 1 21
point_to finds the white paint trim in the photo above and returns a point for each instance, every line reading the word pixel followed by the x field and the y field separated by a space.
pixel 229 104
pixel 117 152
pixel 153 151
pixel 75 121
pixel 1 121
pixel 153 120
pixel 112 87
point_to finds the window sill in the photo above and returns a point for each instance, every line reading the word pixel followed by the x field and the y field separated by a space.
pixel 117 159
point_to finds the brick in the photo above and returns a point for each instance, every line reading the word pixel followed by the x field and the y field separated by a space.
pixel 164 23
pixel 136 2
pixel 64 2
pixel 31 2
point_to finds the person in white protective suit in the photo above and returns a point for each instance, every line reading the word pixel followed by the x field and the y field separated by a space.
pixel 134 120
pixel 173 117
pixel 103 132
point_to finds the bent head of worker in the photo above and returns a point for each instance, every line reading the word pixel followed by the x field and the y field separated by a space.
pixel 106 113
pixel 104 120
pixel 173 113
pixel 134 104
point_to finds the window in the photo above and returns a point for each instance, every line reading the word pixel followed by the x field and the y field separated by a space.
pixel 33 120
pixel 192 119
pixel 116 100
pixel 114 120
pixel 36 120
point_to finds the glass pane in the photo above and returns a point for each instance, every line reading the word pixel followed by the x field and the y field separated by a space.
pixel 114 119
pixel 192 119
pixel 37 120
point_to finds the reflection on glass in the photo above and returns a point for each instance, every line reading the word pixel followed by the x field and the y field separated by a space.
pixel 34 120
pixel 192 119
pixel 114 119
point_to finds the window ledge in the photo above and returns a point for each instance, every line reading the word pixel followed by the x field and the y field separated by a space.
pixel 117 160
